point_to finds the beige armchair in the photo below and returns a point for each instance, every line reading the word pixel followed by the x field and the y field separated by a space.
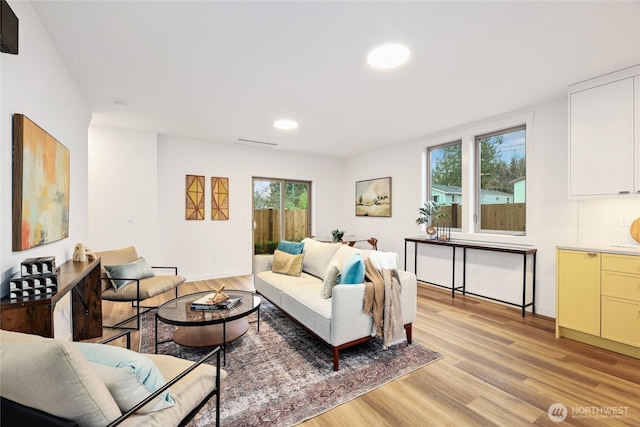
pixel 135 283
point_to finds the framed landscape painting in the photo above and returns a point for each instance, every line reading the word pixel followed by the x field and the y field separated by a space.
pixel 41 172
pixel 373 197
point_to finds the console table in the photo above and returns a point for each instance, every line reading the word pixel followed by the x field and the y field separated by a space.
pixel 34 315
pixel 526 252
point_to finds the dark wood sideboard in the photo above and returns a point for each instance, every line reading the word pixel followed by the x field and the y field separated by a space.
pixel 34 315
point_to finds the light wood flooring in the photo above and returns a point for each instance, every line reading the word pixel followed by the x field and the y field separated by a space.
pixel 498 369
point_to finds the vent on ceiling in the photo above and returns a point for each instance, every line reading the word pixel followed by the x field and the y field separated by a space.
pixel 256 143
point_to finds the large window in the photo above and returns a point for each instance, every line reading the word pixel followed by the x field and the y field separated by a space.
pixel 445 181
pixel 501 180
pixel 281 211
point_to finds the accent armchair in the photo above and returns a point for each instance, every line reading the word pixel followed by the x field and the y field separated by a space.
pixel 50 382
pixel 128 278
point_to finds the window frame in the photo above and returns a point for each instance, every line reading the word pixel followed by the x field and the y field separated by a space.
pixel 467 133
pixel 429 182
pixel 477 217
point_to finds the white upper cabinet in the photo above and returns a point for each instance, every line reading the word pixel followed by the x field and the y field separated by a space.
pixel 604 140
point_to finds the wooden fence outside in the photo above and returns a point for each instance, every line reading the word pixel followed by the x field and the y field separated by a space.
pixel 267 227
pixel 504 216
pixel 266 235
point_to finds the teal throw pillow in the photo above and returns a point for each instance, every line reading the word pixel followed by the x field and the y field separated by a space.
pixel 130 365
pixel 123 274
pixel 353 270
pixel 293 248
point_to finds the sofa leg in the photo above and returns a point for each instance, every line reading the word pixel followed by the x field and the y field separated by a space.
pixel 408 329
pixel 335 358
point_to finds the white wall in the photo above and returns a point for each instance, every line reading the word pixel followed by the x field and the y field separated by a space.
pixel 200 249
pixel 551 219
pixel 36 83
pixel 123 201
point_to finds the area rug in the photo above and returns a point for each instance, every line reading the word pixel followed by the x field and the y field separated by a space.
pixel 281 375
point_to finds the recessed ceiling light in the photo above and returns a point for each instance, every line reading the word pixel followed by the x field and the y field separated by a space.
pixel 121 104
pixel 285 124
pixel 389 55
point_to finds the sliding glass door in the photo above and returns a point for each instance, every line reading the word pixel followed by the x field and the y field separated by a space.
pixel 281 211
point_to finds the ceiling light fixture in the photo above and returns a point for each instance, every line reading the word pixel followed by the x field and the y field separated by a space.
pixel 388 56
pixel 285 124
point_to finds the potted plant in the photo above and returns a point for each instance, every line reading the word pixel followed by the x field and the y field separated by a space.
pixel 337 235
pixel 426 212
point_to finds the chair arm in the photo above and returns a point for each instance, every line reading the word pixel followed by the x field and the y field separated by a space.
pixel 175 269
pixel 118 335
pixel 162 389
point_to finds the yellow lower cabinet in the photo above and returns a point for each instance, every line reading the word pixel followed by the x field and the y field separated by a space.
pixel 621 320
pixel 578 291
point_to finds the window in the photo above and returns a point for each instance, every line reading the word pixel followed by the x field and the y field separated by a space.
pixel 281 211
pixel 445 180
pixel 501 180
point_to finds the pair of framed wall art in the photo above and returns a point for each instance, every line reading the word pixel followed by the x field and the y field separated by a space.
pixel 195 196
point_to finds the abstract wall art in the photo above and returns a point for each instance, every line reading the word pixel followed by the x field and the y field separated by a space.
pixel 219 198
pixel 373 197
pixel 194 209
pixel 41 184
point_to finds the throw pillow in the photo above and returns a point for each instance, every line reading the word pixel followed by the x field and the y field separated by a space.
pixel 353 270
pixel 285 263
pixel 331 279
pixel 293 248
pixel 123 274
pixel 146 374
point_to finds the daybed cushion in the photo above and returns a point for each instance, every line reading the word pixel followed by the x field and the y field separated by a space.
pixel 138 269
pixel 132 377
pixel 56 379
pixel 317 256
pixel 285 263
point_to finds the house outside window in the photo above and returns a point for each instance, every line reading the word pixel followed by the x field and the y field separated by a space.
pixel 445 180
pixel 501 180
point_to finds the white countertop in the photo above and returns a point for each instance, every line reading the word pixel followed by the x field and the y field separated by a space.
pixel 601 247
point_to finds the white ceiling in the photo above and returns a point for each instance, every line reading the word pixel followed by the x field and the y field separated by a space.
pixel 221 71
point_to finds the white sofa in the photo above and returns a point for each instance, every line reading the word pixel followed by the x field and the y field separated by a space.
pixel 338 321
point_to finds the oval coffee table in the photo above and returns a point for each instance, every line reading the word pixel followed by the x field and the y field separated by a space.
pixel 208 328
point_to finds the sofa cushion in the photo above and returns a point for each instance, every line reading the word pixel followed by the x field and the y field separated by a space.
pixel 317 256
pixel 138 269
pixel 147 378
pixel 272 284
pixel 353 270
pixel 293 248
pixel 285 263
pixel 42 373
pixel 305 305
pixel 331 279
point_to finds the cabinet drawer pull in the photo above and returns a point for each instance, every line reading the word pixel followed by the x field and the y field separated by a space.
pixel 592 254
pixel 623 192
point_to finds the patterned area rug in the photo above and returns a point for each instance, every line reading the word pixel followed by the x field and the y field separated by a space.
pixel 282 376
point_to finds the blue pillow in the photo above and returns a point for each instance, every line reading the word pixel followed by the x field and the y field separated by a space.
pixel 146 372
pixel 293 248
pixel 353 270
